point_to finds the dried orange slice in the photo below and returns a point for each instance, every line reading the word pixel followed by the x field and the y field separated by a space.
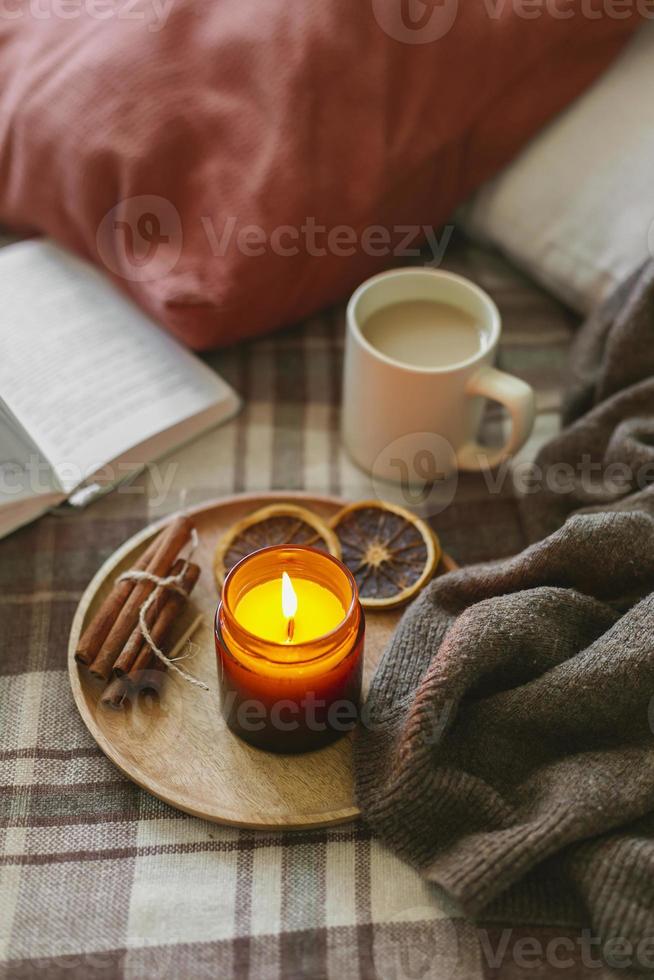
pixel 275 524
pixel 390 552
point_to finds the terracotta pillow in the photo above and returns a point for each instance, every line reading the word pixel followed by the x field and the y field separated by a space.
pixel 237 165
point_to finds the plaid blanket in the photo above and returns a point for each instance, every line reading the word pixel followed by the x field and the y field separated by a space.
pixel 99 879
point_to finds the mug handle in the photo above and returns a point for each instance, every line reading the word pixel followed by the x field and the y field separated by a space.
pixel 518 397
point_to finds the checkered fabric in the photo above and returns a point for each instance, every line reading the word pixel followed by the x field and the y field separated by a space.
pixel 99 879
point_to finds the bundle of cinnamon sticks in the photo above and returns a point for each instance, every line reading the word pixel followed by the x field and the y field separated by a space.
pixel 113 646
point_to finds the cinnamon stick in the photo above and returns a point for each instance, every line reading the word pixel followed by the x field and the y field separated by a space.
pixel 115 693
pixel 147 672
pixel 170 544
pixel 119 693
pixel 161 601
pixel 161 629
pixel 96 632
pixel 133 645
pixel 151 678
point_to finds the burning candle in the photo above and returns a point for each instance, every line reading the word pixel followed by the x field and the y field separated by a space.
pixel 289 639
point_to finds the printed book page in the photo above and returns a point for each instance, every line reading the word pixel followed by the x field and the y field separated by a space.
pixel 87 374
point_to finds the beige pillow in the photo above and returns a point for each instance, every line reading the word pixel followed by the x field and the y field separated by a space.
pixel 576 207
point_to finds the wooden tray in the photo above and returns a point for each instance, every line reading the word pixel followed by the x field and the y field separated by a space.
pixel 179 748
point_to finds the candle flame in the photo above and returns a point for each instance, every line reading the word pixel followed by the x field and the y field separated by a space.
pixel 289 598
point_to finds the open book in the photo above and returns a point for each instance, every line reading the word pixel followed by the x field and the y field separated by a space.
pixel 91 390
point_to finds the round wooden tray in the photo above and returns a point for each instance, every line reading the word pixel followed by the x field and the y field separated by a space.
pixel 178 748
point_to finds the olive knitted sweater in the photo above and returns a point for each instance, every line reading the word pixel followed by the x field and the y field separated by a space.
pixel 507 750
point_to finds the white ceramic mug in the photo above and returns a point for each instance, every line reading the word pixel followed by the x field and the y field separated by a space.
pixel 388 403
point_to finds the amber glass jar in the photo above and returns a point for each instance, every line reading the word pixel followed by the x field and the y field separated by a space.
pixel 283 696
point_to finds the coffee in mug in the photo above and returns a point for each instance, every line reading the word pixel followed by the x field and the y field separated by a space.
pixel 419 352
pixel 424 333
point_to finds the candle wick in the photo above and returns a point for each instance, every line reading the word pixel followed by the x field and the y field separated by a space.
pixel 290 629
